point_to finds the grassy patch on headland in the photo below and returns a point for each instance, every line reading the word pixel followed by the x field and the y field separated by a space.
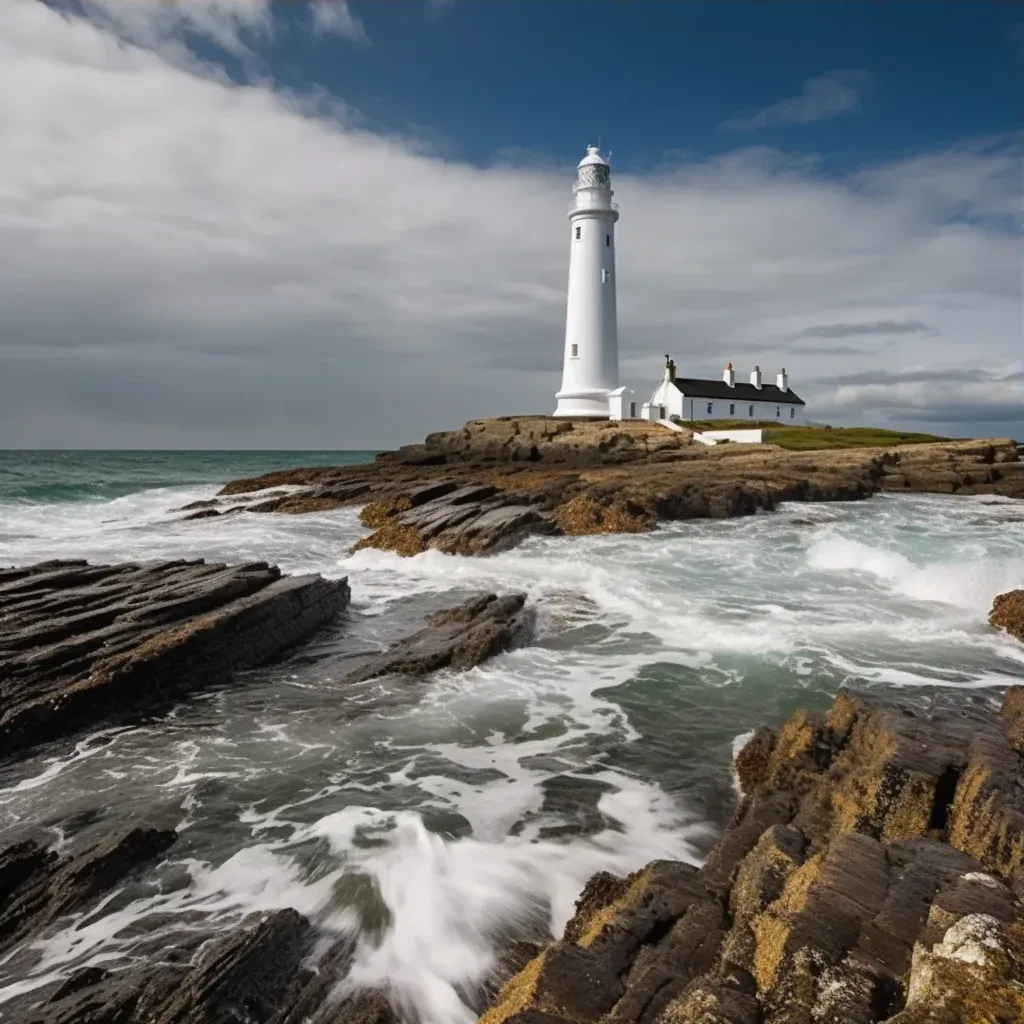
pixel 802 439
pixel 816 438
pixel 702 425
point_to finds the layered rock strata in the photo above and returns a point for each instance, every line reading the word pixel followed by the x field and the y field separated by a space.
pixel 458 638
pixel 85 645
pixel 873 872
pixel 486 487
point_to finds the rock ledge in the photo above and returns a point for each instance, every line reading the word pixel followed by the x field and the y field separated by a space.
pixel 873 872
pixel 85 645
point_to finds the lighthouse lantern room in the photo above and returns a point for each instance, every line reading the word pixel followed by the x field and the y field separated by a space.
pixel 590 368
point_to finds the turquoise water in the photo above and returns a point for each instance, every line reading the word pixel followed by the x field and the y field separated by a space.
pixel 423 817
pixel 44 476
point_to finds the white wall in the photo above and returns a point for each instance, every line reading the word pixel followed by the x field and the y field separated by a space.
pixel 620 404
pixel 735 409
pixel 669 396
pixel 590 321
pixel 739 436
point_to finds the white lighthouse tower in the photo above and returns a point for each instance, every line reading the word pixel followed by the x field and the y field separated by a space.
pixel 590 368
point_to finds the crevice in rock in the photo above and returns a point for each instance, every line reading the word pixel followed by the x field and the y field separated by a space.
pixel 945 791
pixel 657 933
pixel 887 998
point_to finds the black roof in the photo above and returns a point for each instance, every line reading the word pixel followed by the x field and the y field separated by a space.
pixel 692 387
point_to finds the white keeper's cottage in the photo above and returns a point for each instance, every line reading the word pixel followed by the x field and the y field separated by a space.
pixel 690 398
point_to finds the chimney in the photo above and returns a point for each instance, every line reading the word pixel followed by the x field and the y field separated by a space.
pixel 782 380
pixel 755 377
pixel 729 375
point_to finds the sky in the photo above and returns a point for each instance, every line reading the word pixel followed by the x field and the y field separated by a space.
pixel 252 224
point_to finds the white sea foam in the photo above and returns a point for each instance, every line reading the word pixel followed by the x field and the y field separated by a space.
pixel 439 794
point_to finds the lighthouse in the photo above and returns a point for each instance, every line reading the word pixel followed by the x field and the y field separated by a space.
pixel 590 366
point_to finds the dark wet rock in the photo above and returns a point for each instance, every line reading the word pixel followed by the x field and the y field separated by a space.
pixel 457 638
pixel 471 520
pixel 206 513
pixel 871 873
pixel 37 887
pixel 83 645
pixel 251 975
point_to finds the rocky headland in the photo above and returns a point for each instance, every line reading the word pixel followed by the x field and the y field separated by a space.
pixel 485 487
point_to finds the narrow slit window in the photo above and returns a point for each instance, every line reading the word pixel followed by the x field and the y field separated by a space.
pixel 732 410
pixel 608 241
pixel 792 412
pixel 751 411
pixel 711 406
pixel 575 350
pixel 778 412
pixel 578 232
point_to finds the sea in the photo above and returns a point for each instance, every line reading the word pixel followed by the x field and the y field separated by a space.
pixel 431 821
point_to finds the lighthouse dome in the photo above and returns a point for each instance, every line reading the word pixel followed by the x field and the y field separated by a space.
pixel 592 171
pixel 593 157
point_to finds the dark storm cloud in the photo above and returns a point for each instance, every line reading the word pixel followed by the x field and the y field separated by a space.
pixel 829 350
pixel 876 327
pixel 981 412
pixel 888 378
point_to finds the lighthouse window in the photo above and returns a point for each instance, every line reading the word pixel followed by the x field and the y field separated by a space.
pixel 578 230
pixel 575 350
pixel 607 241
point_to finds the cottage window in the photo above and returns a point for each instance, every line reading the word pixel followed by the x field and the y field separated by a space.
pixel 778 412
pixel 711 406
pixel 732 410
pixel 575 350
pixel 578 232
pixel 792 412
pixel 751 413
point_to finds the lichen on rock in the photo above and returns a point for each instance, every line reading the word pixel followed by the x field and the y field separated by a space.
pixel 1008 613
pixel 870 874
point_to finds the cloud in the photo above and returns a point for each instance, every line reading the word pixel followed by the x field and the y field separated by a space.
pixel 190 262
pixel 162 25
pixel 335 17
pixel 831 95
pixel 829 350
pixel 960 399
pixel 966 412
pixel 951 377
pixel 884 327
